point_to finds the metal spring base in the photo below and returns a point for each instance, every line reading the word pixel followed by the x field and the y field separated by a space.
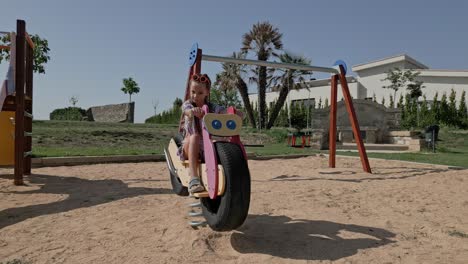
pixel 192 213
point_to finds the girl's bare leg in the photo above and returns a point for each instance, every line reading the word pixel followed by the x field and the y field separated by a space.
pixel 192 147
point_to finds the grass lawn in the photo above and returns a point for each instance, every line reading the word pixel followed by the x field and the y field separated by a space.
pixel 68 138
pixel 451 149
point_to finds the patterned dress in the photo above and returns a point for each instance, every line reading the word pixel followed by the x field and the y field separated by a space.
pixel 190 125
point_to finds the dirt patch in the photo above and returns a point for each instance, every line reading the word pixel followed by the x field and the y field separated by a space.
pixel 301 211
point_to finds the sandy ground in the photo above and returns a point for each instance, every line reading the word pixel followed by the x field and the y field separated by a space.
pixel 301 212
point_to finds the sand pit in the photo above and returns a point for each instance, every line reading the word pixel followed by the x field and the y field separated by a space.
pixel 301 212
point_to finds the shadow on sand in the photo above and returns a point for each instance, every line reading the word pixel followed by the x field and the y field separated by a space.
pixel 81 193
pixel 402 173
pixel 301 239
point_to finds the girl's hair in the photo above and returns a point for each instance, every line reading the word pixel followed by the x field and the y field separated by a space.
pixel 202 79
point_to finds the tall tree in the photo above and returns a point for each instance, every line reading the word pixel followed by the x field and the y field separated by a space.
pixel 400 78
pixel 264 40
pixel 288 80
pixel 435 108
pixel 40 52
pixel 444 109
pixel 130 87
pixel 73 100
pixel 224 97
pixel 462 111
pixel 231 78
pixel 452 108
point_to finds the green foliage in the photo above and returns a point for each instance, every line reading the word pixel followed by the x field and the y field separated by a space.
pixel 443 112
pixel 287 80
pixel 400 101
pixel 400 78
pixel 40 52
pixel 435 110
pixel 283 118
pixel 263 40
pixel 298 116
pixel 69 113
pixel 462 112
pixel 452 116
pixel 177 104
pixel 171 116
pixel 225 97
pixel 425 116
pixel 73 100
pixel 392 102
pixel 409 116
pixel 415 89
pixel 231 78
pixel 130 87
pixel 444 109
pixel 383 101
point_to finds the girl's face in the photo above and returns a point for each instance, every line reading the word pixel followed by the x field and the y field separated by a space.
pixel 198 93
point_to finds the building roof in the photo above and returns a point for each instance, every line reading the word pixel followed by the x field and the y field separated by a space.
pixel 389 60
pixel 443 73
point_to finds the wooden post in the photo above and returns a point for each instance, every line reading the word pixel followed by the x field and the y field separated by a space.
pixel 332 129
pixel 28 107
pixel 197 65
pixel 354 121
pixel 19 88
pixel 196 68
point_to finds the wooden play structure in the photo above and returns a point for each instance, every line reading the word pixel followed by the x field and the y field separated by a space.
pixel 338 72
pixel 16 105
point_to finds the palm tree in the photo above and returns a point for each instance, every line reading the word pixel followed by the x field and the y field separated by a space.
pixel 263 40
pixel 289 79
pixel 130 87
pixel 231 78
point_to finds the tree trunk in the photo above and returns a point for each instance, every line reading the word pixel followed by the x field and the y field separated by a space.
pixel 130 98
pixel 243 91
pixel 261 96
pixel 279 104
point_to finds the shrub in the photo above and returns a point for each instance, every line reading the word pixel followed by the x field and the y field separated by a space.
pixel 69 113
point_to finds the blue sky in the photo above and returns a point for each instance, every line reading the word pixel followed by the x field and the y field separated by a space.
pixel 95 44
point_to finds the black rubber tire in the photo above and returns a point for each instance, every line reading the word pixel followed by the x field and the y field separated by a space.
pixel 229 211
pixel 178 139
pixel 177 186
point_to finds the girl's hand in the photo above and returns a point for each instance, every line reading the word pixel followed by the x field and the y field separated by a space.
pixel 198 112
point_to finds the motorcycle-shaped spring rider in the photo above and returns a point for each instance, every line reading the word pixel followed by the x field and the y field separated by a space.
pixel 223 169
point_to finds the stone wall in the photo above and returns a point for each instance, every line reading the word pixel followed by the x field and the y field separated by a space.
pixel 116 113
pixel 374 119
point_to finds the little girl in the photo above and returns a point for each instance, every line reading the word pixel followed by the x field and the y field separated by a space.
pixel 192 145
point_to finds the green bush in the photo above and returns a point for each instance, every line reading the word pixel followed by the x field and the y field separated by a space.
pixel 166 117
pixel 69 113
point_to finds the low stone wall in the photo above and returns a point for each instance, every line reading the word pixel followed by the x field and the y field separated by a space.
pixel 410 138
pixel 115 113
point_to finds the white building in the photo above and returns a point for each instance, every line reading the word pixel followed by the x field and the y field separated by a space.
pixel 369 82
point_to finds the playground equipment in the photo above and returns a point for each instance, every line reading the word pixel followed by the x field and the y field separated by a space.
pixel 338 74
pixel 16 98
pixel 224 171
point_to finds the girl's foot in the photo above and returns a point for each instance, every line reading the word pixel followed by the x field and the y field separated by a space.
pixel 195 185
